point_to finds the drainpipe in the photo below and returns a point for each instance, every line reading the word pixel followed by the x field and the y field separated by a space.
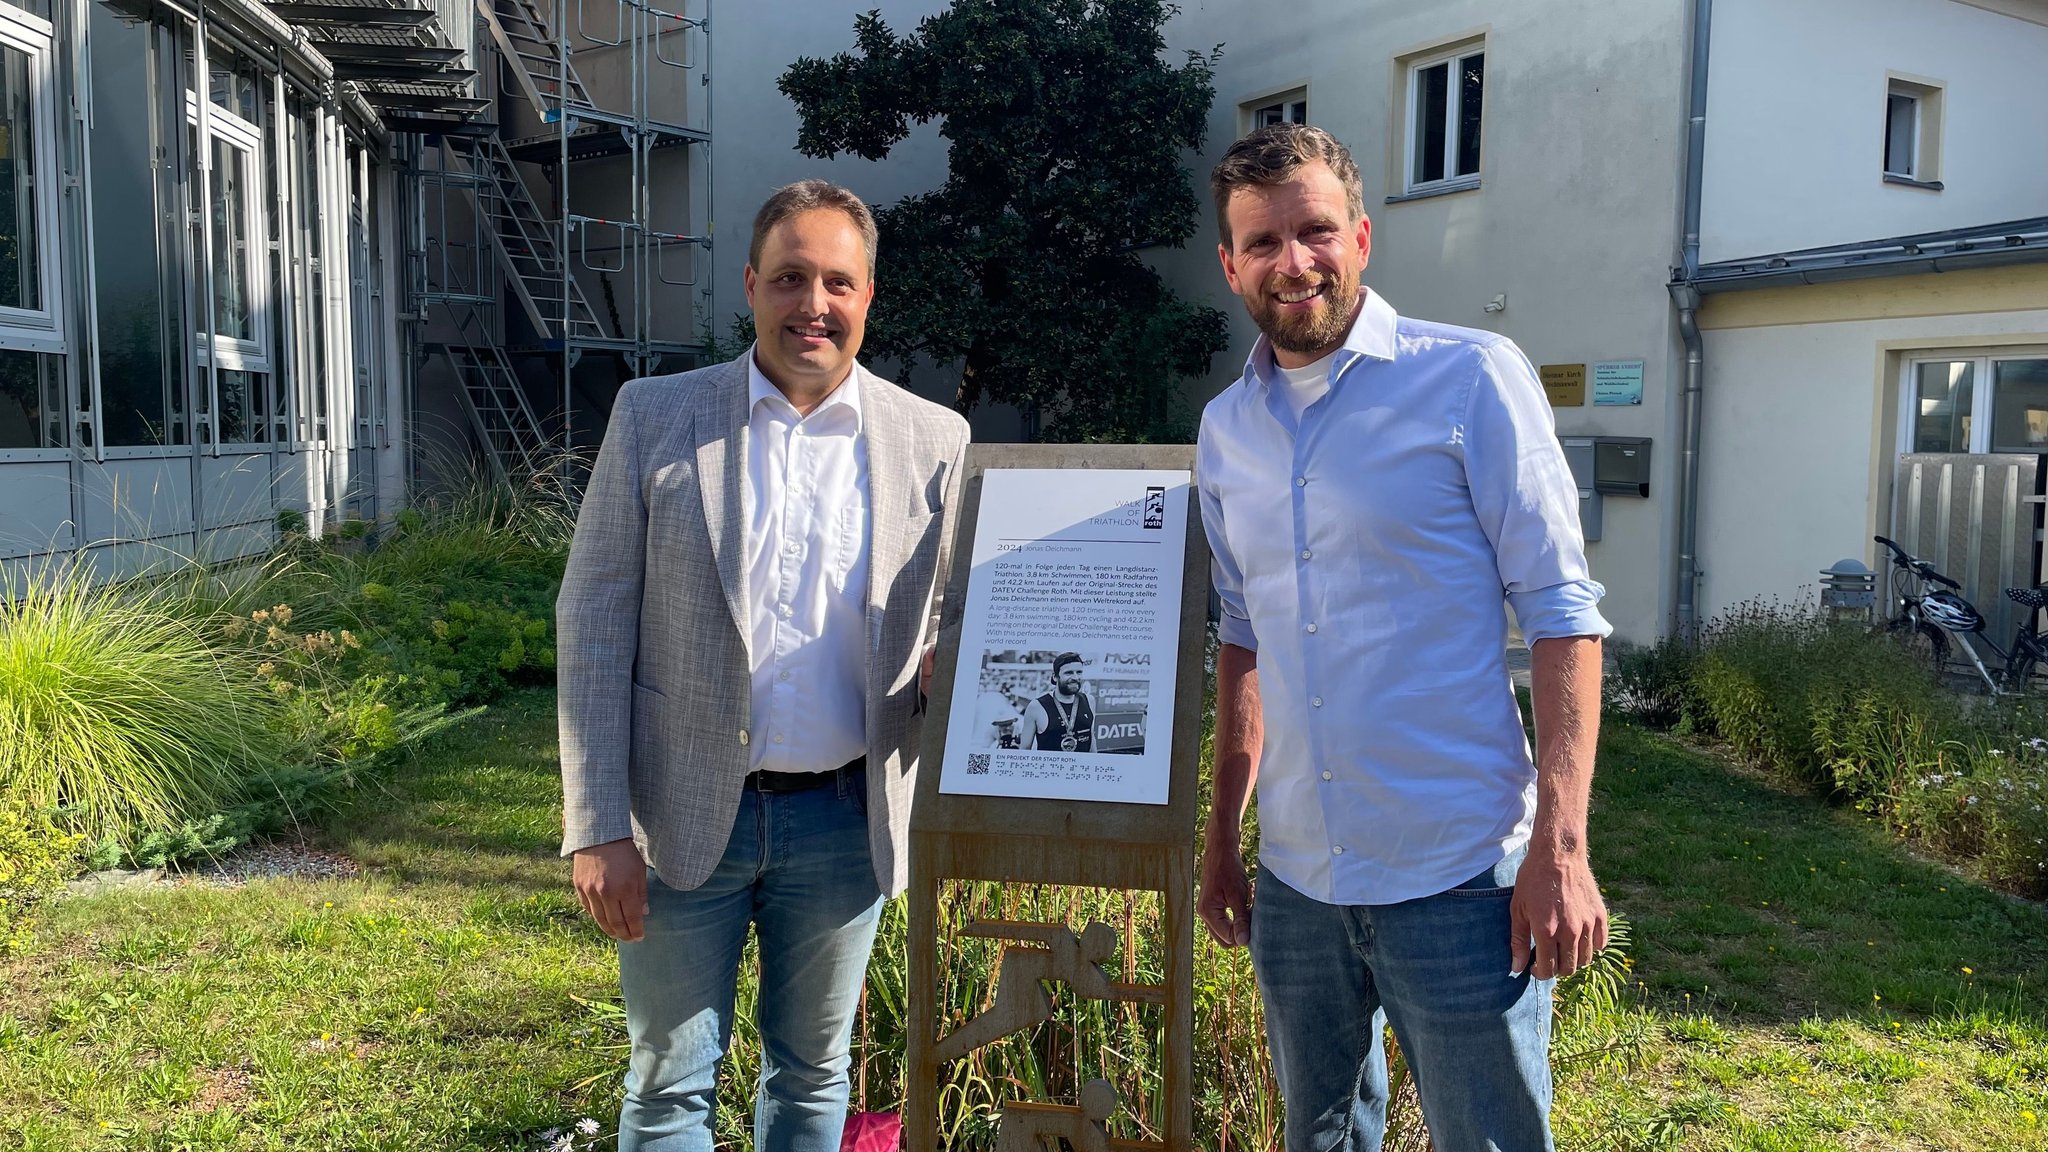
pixel 1686 298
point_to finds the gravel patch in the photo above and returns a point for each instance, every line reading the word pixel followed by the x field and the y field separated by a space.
pixel 272 862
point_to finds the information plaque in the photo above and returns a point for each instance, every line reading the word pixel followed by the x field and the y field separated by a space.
pixel 1062 746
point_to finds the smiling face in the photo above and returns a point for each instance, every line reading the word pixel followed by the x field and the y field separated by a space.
pixel 1295 255
pixel 810 294
pixel 1070 679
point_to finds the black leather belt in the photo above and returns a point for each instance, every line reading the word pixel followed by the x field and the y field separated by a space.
pixel 803 781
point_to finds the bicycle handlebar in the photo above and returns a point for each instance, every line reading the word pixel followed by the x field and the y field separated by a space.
pixel 1922 568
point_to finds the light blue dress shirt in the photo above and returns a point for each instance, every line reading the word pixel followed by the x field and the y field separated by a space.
pixel 1364 553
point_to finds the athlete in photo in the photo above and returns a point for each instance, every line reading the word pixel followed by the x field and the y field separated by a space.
pixel 1063 720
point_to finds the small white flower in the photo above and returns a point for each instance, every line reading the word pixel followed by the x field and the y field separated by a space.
pixel 1969 799
pixel 587 1126
pixel 548 1136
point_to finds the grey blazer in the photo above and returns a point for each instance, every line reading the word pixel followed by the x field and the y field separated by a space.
pixel 655 692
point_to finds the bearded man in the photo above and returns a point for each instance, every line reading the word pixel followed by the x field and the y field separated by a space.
pixel 1373 488
pixel 1063 720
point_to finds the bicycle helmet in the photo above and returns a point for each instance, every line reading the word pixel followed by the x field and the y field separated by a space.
pixel 1950 611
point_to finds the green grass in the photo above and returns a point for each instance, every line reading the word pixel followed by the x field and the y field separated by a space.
pixel 1799 982
pixel 1802 982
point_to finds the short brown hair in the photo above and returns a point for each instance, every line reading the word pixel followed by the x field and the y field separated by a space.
pixel 803 196
pixel 1270 155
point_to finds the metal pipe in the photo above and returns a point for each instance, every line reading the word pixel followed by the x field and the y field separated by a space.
pixel 1686 298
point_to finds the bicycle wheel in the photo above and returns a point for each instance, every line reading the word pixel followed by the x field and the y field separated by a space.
pixel 2019 675
pixel 1927 644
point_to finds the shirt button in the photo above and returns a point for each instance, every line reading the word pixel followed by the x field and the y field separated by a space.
pixel 784 675
pixel 778 737
pixel 1305 553
pixel 1326 773
pixel 787 612
pixel 1336 849
pixel 1311 627
pixel 1317 702
pixel 1300 481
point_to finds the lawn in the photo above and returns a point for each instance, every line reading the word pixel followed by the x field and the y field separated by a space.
pixel 1802 982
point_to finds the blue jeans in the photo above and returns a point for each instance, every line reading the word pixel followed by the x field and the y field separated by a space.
pixel 797 869
pixel 1436 968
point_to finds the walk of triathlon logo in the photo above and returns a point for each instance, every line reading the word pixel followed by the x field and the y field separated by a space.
pixel 1155 508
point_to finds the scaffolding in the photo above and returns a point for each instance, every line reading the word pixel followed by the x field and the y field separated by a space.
pixel 546 241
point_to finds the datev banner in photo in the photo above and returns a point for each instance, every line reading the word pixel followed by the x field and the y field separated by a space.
pixel 1070 640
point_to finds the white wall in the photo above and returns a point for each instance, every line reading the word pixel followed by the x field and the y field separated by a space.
pixel 1575 220
pixel 1797 443
pixel 1795 121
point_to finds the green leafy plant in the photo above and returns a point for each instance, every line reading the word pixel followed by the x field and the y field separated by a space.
pixel 36 857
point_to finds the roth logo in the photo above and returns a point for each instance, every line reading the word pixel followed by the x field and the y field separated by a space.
pixel 1155 508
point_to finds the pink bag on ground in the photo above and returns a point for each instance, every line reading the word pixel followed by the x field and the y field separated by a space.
pixel 872 1132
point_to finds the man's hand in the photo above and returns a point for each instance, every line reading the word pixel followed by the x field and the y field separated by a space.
pixel 1558 920
pixel 611 881
pixel 1225 902
pixel 926 668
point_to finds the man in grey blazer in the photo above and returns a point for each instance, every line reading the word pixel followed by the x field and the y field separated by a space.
pixel 743 635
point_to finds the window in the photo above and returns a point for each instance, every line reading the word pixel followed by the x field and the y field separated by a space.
pixel 1912 133
pixel 1944 395
pixel 1284 108
pixel 134 224
pixel 33 412
pixel 236 281
pixel 1446 98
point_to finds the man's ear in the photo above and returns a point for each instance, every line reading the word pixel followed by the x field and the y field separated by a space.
pixel 1229 268
pixel 1364 240
pixel 747 278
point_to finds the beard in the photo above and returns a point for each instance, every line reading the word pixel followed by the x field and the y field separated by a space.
pixel 1310 331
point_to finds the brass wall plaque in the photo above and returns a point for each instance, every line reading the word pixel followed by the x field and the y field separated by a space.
pixel 1565 384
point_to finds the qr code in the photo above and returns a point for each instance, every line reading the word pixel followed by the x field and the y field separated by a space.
pixel 977 763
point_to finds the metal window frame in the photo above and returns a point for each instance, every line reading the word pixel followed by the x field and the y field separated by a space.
pixel 1984 360
pixel 39 329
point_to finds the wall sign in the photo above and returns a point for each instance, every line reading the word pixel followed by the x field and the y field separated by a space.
pixel 1618 382
pixel 1565 384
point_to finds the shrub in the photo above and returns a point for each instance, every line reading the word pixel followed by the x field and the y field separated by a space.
pixel 1654 683
pixel 117 710
pixel 35 858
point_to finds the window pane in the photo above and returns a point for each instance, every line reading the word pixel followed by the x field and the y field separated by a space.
pixel 1941 415
pixel 1432 97
pixel 20 285
pixel 1471 99
pixel 1901 116
pixel 127 206
pixel 2019 406
pixel 31 400
pixel 243 419
pixel 1297 112
pixel 1266 116
pixel 233 315
pixel 313 293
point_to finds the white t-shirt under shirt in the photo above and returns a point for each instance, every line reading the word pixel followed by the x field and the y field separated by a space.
pixel 1305 385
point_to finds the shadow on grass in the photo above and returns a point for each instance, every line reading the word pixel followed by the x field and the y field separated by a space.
pixel 1773 906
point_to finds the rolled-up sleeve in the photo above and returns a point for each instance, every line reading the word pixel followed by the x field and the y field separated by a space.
pixel 1526 500
pixel 1234 625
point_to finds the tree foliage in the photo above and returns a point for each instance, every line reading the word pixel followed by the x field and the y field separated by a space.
pixel 1067 133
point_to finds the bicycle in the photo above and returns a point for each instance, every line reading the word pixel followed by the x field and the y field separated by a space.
pixel 1925 620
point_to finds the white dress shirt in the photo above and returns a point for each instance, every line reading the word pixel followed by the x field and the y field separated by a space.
pixel 1364 552
pixel 806 504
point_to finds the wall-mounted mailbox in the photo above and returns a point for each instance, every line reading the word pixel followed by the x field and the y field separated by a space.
pixel 1579 454
pixel 1621 465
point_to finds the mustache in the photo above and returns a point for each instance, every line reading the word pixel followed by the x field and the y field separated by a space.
pixel 1279 284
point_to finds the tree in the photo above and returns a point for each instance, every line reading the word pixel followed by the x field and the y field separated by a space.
pixel 1067 132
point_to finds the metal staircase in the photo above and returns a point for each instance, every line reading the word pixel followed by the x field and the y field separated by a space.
pixel 544 72
pixel 490 393
pixel 525 242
